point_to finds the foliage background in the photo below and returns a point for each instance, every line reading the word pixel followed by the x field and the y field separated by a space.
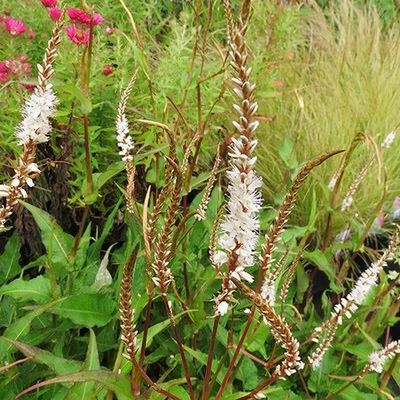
pixel 322 76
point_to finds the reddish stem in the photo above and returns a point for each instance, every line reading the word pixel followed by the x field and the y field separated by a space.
pixel 207 381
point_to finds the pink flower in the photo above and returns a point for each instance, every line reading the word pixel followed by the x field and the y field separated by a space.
pixel 49 3
pixel 109 30
pixel 380 220
pixel 4 76
pixel 55 13
pixel 31 34
pixel 15 26
pixel 23 58
pixel 107 70
pixel 78 35
pixel 75 14
pixel 3 68
pixel 18 66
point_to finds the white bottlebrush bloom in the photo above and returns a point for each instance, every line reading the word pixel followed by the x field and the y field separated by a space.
pixel 241 225
pixel 125 142
pixel 332 182
pixel 4 190
pixel 349 305
pixel 377 359
pixel 388 141
pixel 365 283
pixel 347 202
pixel 222 308
pixel 343 236
pixel 393 275
pixel 37 111
pixel 268 291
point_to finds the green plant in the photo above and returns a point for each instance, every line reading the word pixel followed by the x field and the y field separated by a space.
pixel 178 257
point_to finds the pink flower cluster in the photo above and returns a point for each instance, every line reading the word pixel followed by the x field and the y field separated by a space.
pixel 54 12
pixel 15 68
pixel 15 27
pixel 79 31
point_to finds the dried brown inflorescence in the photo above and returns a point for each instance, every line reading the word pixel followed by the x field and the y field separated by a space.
pixel 162 247
pixel 128 329
pixel 201 209
pixel 279 329
pixel 286 208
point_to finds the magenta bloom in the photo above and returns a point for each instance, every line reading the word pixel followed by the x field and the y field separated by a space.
pixel 78 35
pixel 55 13
pixel 14 26
pixel 49 3
pixel 3 67
pixel 107 70
pixel 77 15
pixel 3 72
pixel 4 76
pixel 30 87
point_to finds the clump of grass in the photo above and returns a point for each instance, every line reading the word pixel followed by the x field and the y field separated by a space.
pixel 343 80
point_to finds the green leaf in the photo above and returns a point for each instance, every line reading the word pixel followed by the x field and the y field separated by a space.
pixel 85 103
pixel 171 386
pixel 95 248
pixel 319 259
pixel 88 309
pixel 81 253
pixel 58 244
pixel 202 358
pixel 57 364
pixel 9 266
pixel 37 289
pixel 84 391
pixel 287 155
pixel 99 180
pixel 247 373
pixel 256 341
pixel 119 384
pixel 352 393
pixel 21 327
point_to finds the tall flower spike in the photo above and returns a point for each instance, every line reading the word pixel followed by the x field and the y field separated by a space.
pixel 201 210
pixel 377 359
pixel 34 128
pixel 284 211
pixel 268 289
pixel 348 305
pixel 349 197
pixel 241 224
pixel 162 247
pixel 279 329
pixel 128 329
pixel 126 145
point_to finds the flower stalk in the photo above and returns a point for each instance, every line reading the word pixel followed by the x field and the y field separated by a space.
pixel 34 129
